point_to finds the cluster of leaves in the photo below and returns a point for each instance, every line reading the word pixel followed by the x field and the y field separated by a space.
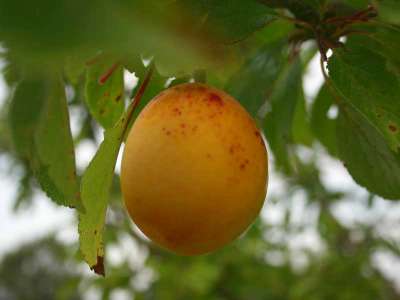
pixel 255 50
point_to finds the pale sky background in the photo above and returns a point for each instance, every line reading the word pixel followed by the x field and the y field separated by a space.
pixel 43 216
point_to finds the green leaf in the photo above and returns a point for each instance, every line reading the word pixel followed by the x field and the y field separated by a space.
pixel 105 96
pixel 278 122
pixel 254 81
pixel 384 40
pixel 75 65
pixel 301 130
pixel 323 127
pixel 39 122
pixel 275 31
pixel 95 189
pixel 133 27
pixel 134 64
pixel 363 78
pixel 233 19
pixel 55 165
pixel 10 71
pixel 389 11
pixel 24 114
pixel 366 155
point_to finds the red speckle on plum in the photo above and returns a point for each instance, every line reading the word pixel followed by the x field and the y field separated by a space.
pixel 177 111
pixel 214 98
pixel 167 132
pixel 244 164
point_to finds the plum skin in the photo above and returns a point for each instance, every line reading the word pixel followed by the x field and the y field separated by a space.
pixel 194 170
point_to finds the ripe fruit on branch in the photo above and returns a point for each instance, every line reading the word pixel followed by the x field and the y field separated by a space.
pixel 194 170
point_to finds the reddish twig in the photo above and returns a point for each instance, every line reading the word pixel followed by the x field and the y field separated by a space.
pixel 136 99
pixel 361 16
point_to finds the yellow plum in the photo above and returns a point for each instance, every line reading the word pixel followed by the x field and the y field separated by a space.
pixel 194 170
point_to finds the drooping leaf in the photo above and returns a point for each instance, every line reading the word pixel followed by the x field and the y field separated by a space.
pixel 95 188
pixel 96 184
pixel 39 122
pixel 363 79
pixel 26 190
pixel 301 128
pixel 105 91
pixel 255 79
pixel 322 126
pixel 54 164
pixel 366 154
pixel 24 114
pixel 278 121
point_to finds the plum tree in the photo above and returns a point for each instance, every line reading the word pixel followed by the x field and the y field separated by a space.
pixel 194 170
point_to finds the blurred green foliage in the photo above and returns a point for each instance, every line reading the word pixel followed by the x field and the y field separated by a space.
pixel 259 52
